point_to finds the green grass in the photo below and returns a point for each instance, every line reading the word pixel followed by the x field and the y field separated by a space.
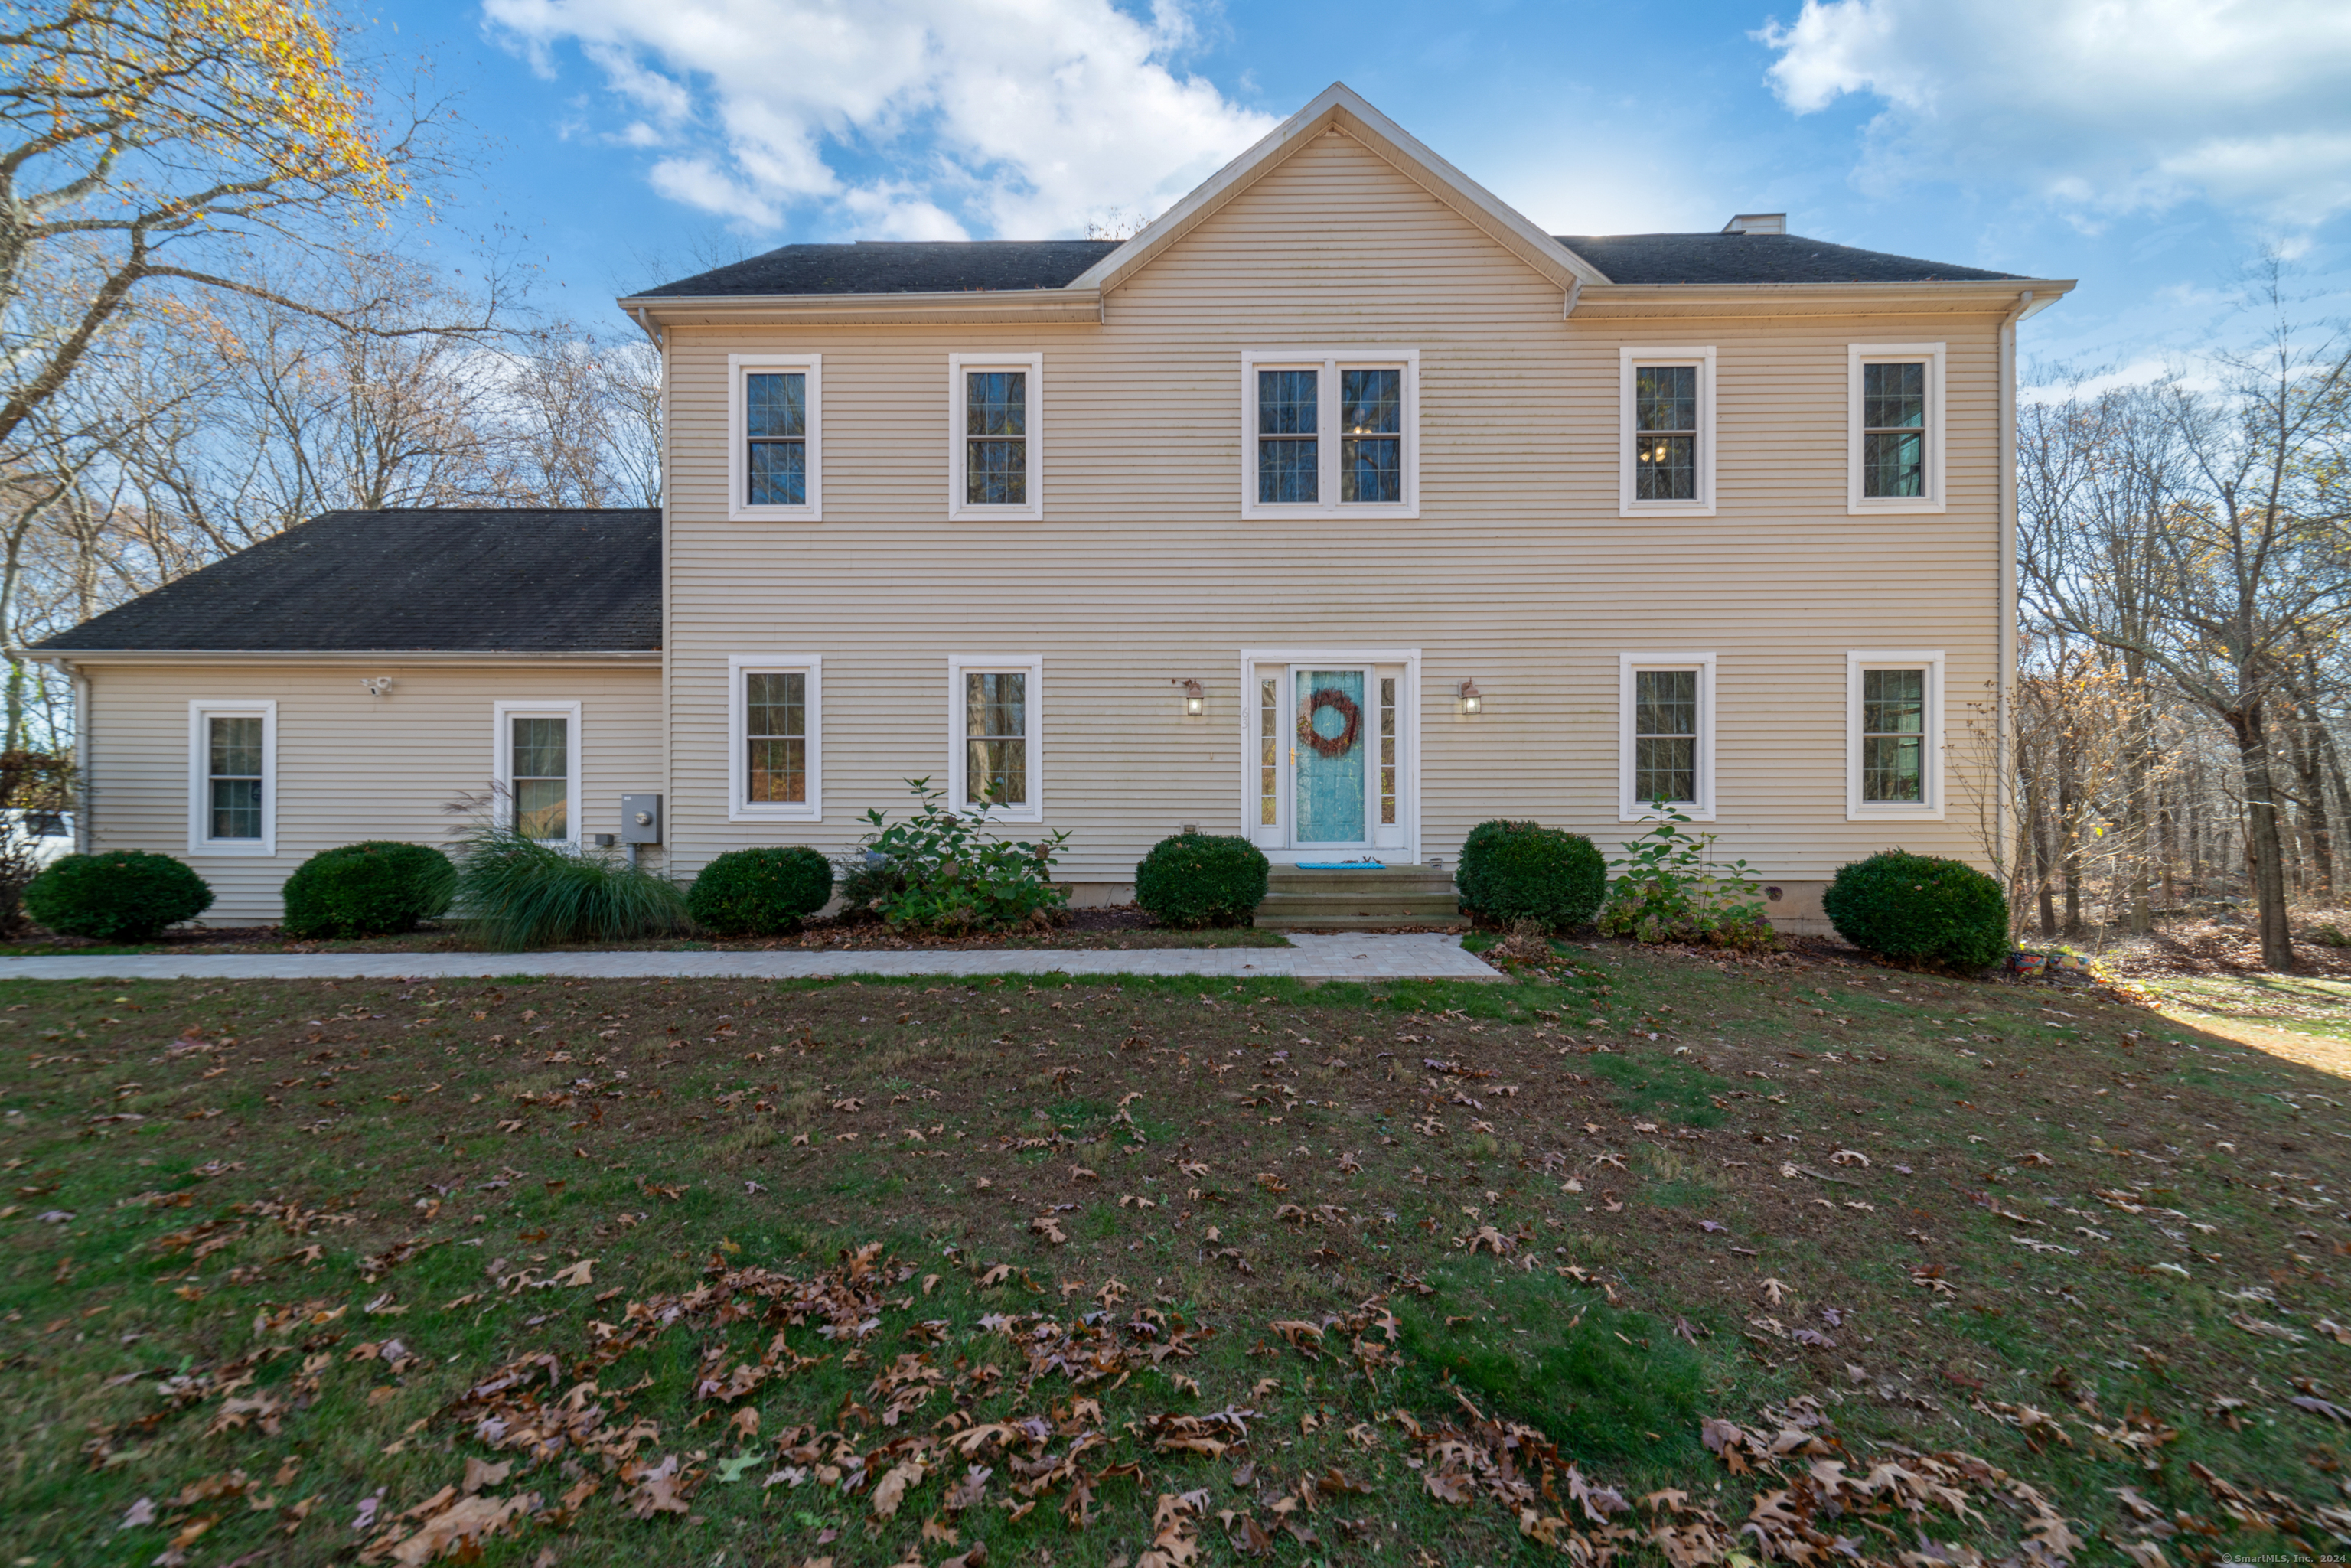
pixel 1820 1234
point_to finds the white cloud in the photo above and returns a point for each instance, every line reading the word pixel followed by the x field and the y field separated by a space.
pixel 2106 106
pixel 903 119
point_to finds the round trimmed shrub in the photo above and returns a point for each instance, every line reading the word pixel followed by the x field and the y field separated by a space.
pixel 123 896
pixel 1524 871
pixel 1201 879
pixel 375 888
pixel 1920 909
pixel 758 892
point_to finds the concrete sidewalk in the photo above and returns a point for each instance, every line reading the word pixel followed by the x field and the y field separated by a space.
pixel 1416 956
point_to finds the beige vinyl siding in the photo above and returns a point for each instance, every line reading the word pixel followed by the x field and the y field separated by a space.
pixel 1517 573
pixel 349 766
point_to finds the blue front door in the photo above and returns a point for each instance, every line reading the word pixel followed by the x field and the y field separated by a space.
pixel 1331 737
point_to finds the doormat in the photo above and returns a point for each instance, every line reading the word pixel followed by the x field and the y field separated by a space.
pixel 1341 865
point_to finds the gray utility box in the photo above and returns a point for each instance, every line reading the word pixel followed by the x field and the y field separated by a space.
pixel 641 821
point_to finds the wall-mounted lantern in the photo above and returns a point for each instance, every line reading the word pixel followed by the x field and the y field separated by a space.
pixel 376 685
pixel 1472 700
pixel 1195 700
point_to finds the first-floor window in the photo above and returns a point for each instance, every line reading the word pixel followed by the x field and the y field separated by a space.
pixel 1668 734
pixel 1894 735
pixel 996 730
pixel 774 727
pixel 232 754
pixel 538 769
pixel 1894 739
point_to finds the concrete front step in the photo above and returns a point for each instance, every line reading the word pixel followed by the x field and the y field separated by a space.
pixel 1353 900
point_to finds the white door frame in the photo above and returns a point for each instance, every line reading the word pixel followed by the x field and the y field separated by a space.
pixel 1408 765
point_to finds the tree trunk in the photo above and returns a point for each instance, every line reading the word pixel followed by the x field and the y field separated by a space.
pixel 2264 854
pixel 2037 830
pixel 2310 771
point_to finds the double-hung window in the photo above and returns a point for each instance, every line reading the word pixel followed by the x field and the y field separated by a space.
pixel 774 710
pixel 1331 431
pixel 995 435
pixel 1665 735
pixel 774 456
pixel 232 778
pixel 1895 435
pixel 996 735
pixel 536 763
pixel 1894 735
pixel 1666 444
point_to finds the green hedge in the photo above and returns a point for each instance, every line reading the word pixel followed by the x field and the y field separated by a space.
pixel 1201 879
pixel 1920 909
pixel 379 887
pixel 758 892
pixel 1524 871
pixel 124 895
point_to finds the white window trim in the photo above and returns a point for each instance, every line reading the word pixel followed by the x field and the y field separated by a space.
pixel 1628 359
pixel 1034 364
pixel 1937 427
pixel 502 761
pixel 739 806
pixel 738 510
pixel 1929 810
pixel 200 841
pixel 1033 665
pixel 1329 361
pixel 1628 809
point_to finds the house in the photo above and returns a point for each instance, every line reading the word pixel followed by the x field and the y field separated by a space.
pixel 1342 507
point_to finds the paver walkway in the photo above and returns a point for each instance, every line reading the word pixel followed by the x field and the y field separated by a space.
pixel 1417 957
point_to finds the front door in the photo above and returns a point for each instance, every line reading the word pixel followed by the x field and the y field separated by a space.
pixel 1330 749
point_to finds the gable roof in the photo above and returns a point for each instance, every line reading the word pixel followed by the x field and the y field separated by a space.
pixel 1759 259
pixel 464 579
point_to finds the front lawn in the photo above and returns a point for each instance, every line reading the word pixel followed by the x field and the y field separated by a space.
pixel 1694 1262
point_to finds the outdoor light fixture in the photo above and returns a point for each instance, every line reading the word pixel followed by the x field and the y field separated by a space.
pixel 1472 701
pixel 376 685
pixel 1196 701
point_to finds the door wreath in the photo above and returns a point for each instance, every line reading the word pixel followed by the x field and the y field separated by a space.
pixel 1337 745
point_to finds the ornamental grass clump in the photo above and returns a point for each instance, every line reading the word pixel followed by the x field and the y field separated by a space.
pixel 941 871
pixel 1920 909
pixel 761 892
pixel 1201 879
pixel 1511 871
pixel 375 888
pixel 516 892
pixel 123 896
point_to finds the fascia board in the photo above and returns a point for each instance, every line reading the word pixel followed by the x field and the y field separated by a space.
pixel 1070 304
pixel 1625 300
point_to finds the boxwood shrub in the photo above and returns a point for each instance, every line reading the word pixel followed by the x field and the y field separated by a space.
pixel 758 892
pixel 1201 879
pixel 1524 871
pixel 123 896
pixel 378 887
pixel 1920 909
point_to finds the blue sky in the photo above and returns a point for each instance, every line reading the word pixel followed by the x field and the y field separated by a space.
pixel 2151 148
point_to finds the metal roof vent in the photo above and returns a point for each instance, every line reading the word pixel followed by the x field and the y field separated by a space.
pixel 1757 223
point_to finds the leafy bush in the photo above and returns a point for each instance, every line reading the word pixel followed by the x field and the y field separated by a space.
pixel 370 889
pixel 757 892
pixel 1201 879
pixel 1668 888
pixel 1920 909
pixel 516 892
pixel 940 870
pixel 124 895
pixel 1523 870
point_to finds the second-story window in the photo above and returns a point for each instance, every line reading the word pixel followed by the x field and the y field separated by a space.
pixel 1667 417
pixel 1328 431
pixel 774 460
pixel 995 417
pixel 1896 396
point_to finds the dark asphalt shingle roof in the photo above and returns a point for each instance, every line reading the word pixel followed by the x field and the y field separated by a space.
pixel 945 266
pixel 915 266
pixel 1757 258
pixel 492 580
